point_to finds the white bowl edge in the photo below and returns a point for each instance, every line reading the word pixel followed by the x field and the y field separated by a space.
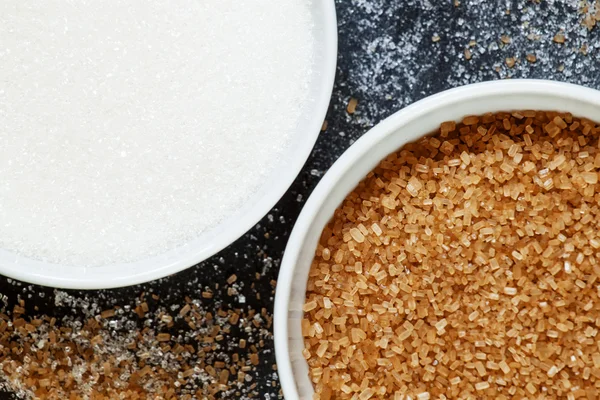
pixel 409 124
pixel 212 241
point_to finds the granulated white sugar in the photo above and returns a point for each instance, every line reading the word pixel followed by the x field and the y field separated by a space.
pixel 128 128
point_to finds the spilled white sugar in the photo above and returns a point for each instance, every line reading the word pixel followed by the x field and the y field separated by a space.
pixel 127 128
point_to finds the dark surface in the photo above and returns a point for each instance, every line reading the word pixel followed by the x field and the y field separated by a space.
pixel 387 60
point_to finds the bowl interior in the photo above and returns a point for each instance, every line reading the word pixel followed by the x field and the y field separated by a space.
pixel 229 230
pixel 405 126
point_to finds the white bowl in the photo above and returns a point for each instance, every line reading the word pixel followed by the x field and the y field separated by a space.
pixel 407 125
pixel 214 240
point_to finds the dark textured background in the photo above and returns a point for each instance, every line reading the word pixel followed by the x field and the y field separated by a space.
pixel 389 57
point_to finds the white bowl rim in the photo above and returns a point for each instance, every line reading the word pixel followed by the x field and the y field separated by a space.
pixel 357 150
pixel 119 275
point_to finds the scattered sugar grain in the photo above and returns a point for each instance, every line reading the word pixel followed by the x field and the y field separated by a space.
pixel 137 352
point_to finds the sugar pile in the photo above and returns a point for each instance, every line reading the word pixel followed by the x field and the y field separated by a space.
pixel 130 127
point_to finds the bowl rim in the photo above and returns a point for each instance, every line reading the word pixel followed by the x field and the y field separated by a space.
pixel 127 274
pixel 359 149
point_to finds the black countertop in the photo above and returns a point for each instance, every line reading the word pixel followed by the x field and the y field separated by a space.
pixel 391 53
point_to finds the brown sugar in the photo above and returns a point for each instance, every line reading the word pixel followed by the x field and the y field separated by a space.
pixel 559 38
pixel 42 358
pixel 351 108
pixel 465 266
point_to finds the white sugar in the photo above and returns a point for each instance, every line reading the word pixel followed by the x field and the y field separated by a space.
pixel 129 127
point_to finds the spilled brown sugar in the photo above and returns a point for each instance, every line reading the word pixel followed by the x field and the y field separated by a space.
pixel 145 352
pixel 465 266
